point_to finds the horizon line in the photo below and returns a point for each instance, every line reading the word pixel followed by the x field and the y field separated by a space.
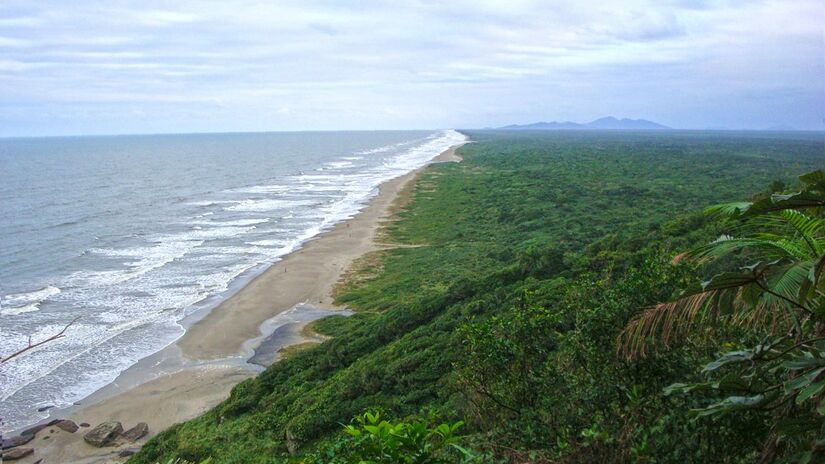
pixel 500 128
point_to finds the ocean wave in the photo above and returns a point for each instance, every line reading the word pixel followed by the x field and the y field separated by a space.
pixel 14 311
pixel 338 164
pixel 268 204
pixel 212 202
pixel 385 148
pixel 268 243
pixel 36 296
pixel 237 223
pixel 151 258
pixel 274 188
pixel 26 302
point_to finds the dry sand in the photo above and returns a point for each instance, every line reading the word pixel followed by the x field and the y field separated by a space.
pixel 307 275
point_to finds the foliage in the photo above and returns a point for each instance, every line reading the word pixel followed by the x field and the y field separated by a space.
pixel 371 440
pixel 534 253
pixel 782 290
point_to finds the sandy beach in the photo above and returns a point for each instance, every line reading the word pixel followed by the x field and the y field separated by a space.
pixel 198 371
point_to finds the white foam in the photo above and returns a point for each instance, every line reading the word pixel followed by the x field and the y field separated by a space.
pixel 216 233
pixel 26 302
pixel 267 204
pixel 235 250
pixel 36 296
pixel 238 223
pixel 212 202
pixel 275 188
pixel 151 258
pixel 14 311
pixel 268 243
pixel 338 164
pixel 383 149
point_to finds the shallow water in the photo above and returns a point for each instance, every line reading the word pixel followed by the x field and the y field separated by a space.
pixel 129 233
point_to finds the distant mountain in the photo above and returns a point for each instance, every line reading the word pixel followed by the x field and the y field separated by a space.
pixel 545 126
pixel 612 123
pixel 608 123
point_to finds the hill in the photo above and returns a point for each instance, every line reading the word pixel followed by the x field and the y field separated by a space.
pixel 606 123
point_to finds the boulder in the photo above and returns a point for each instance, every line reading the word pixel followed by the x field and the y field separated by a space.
pixel 137 432
pixel 66 425
pixel 34 430
pixel 16 441
pixel 104 434
pixel 17 453
pixel 85 424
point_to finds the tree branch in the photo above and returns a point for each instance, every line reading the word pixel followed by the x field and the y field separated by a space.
pixel 31 345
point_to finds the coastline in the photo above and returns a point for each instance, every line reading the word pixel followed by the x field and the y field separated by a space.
pixel 197 372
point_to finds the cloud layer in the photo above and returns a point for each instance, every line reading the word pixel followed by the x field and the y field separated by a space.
pixel 125 67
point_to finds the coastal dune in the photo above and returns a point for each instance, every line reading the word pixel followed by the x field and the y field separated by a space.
pixel 212 352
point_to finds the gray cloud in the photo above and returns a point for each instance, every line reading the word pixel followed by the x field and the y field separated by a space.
pixel 226 66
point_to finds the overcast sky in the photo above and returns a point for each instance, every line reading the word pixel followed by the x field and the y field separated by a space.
pixel 146 66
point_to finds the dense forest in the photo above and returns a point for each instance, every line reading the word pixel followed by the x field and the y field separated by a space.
pixel 545 310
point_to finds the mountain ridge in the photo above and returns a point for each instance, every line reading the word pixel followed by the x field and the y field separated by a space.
pixel 605 123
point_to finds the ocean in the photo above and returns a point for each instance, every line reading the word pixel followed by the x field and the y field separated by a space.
pixel 128 235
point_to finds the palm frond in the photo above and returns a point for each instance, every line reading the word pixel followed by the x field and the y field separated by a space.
pixel 659 325
pixel 773 246
pixel 765 315
pixel 728 209
pixel 789 283
pixel 806 226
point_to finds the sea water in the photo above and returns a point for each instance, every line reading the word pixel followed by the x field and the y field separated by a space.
pixel 127 234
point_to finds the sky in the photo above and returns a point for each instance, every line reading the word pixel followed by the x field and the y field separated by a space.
pixel 78 67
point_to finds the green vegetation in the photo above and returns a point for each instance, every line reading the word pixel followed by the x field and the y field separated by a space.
pixel 537 252
pixel 781 295
pixel 372 440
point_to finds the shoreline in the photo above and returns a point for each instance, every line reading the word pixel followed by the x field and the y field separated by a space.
pixel 196 372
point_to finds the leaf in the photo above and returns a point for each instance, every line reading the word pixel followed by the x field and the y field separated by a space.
pixel 751 294
pixel 731 403
pixel 728 358
pixel 802 381
pixel 807 361
pixel 790 282
pixel 730 382
pixel 680 388
pixel 811 390
pixel 804 199
pixel 728 280
pixel 816 270
pixel 729 209
pixel 807 226
pixel 467 454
